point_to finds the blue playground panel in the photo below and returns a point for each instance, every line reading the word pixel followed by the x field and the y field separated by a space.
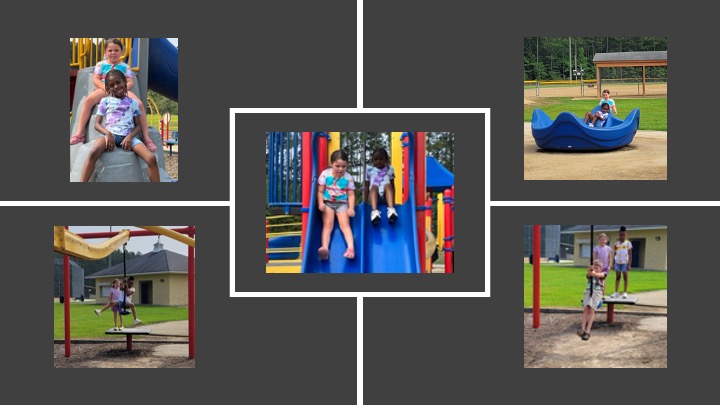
pixel 284 242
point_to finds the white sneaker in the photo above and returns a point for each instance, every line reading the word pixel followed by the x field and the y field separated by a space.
pixel 614 295
pixel 375 217
pixel 97 312
pixel 624 295
pixel 392 214
pixel 591 125
pixel 137 322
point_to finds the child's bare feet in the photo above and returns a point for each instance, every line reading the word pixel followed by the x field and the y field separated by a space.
pixel 324 253
pixel 349 253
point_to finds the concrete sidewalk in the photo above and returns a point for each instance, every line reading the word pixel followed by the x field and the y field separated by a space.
pixel 175 328
pixel 651 298
pixel 171 331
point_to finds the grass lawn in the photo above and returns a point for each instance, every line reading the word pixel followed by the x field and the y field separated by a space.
pixel 85 324
pixel 563 285
pixel 653 111
pixel 154 121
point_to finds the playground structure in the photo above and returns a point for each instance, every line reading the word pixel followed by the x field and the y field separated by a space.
pixel 569 133
pixel 402 247
pixel 154 62
pixel 71 244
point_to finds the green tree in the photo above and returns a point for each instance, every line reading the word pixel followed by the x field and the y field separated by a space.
pixel 164 104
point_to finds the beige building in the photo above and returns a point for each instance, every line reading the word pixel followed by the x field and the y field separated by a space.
pixel 649 243
pixel 161 278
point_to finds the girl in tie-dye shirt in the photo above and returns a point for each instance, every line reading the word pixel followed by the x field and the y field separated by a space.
pixel 122 125
pixel 379 182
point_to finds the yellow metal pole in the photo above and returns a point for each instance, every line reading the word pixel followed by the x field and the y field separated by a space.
pixel 170 234
pixel 440 221
pixel 428 231
pixel 396 161
pixel 333 143
pixel 157 110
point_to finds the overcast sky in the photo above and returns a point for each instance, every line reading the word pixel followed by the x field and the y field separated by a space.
pixel 142 244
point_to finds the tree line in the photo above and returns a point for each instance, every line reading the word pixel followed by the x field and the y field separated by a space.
pixel 93 266
pixel 554 58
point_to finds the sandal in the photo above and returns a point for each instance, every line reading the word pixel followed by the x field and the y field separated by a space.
pixel 324 253
pixel 150 145
pixel 585 336
pixel 76 139
pixel 349 253
pixel 580 332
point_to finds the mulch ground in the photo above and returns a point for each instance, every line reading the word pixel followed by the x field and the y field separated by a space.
pixel 630 342
pixel 115 355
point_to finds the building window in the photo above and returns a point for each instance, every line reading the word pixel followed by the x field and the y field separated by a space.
pixel 585 249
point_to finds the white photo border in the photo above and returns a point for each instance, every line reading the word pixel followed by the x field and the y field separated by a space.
pixel 359 294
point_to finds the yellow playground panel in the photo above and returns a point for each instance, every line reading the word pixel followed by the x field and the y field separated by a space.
pixel 69 243
pixel 282 265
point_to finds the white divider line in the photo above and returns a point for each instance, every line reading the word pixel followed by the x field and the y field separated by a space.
pixel 359 53
pixel 359 350
pixel 605 203
pixel 123 203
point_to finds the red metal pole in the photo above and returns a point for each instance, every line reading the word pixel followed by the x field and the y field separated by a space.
pixel 129 342
pixel 306 182
pixel 66 306
pixel 611 314
pixel 267 242
pixel 428 225
pixel 420 188
pixel 191 296
pixel 406 174
pixel 451 226
pixel 322 154
pixel 536 276
pixel 448 232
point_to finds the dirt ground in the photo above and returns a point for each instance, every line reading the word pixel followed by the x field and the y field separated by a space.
pixel 616 90
pixel 115 355
pixel 643 159
pixel 632 341
pixel 171 165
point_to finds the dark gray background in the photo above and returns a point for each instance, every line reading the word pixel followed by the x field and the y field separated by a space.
pixel 303 54
pixel 469 132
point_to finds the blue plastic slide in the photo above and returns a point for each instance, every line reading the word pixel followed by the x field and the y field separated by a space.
pixel 381 248
pixel 163 68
